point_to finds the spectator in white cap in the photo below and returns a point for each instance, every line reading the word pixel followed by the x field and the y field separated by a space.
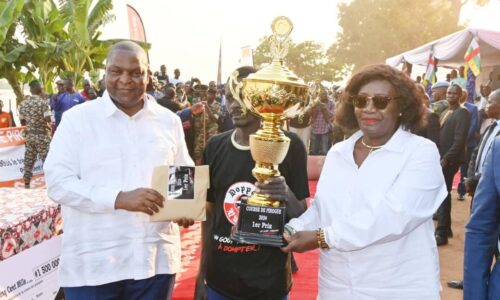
pixel 438 99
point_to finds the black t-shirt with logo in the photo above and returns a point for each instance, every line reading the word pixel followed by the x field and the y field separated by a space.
pixel 241 271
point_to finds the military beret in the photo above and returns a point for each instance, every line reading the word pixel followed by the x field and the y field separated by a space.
pixel 440 84
pixel 34 83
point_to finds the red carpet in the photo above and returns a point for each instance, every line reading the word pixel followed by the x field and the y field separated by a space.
pixel 305 281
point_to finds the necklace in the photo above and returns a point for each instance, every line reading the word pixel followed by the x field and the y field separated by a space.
pixel 370 147
pixel 236 145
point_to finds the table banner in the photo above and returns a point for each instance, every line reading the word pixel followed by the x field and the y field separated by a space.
pixel 12 160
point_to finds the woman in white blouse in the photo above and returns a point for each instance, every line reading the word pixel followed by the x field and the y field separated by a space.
pixel 372 214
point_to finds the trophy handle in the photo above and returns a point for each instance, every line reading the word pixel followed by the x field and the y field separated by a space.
pixel 235 87
pixel 313 99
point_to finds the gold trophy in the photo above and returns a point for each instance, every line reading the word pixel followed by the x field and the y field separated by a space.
pixel 274 93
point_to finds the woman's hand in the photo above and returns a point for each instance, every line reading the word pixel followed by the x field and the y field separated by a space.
pixel 301 241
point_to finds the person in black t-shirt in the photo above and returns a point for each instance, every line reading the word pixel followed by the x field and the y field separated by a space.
pixel 240 271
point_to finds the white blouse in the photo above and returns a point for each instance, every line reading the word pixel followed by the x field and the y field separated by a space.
pixel 378 220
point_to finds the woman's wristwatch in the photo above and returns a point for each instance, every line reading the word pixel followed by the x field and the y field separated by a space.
pixel 320 236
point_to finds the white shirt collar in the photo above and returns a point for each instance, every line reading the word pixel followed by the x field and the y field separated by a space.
pixel 395 143
pixel 110 108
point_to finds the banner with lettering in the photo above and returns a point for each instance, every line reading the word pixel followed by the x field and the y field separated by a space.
pixel 12 160
pixel 32 274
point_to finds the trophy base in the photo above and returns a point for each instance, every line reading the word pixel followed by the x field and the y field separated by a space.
pixel 257 239
pixel 260 225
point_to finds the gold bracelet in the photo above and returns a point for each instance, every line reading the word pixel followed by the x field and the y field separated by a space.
pixel 320 236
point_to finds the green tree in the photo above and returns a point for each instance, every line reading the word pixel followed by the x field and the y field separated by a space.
pixel 43 29
pixel 84 51
pixel 306 59
pixel 375 30
pixel 13 54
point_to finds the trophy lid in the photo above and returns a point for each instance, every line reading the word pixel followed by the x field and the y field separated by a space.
pixel 277 72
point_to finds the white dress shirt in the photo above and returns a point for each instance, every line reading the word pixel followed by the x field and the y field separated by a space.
pixel 378 220
pixel 97 152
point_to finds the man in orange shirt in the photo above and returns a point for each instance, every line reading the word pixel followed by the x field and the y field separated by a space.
pixel 4 117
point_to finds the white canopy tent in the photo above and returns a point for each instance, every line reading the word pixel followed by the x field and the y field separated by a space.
pixel 450 50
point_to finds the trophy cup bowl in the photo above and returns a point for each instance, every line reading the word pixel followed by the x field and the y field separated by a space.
pixel 273 93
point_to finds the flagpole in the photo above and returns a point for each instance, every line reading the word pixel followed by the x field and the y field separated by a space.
pixel 219 68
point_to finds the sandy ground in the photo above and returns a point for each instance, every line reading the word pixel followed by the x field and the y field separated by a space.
pixel 452 255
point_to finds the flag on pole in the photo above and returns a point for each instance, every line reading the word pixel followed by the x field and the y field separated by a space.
pixel 219 68
pixel 136 26
pixel 473 57
pixel 430 73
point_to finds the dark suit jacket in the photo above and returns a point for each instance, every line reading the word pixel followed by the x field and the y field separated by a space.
pixel 472 177
pixel 471 137
pixel 481 282
pixel 453 136
pixel 431 130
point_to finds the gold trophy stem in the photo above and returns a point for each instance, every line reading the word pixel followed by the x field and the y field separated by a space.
pixel 270 128
pixel 267 142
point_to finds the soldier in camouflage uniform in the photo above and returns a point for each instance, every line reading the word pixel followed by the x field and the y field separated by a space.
pixel 34 113
pixel 206 124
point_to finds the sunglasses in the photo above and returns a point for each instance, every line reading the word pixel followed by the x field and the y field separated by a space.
pixel 380 102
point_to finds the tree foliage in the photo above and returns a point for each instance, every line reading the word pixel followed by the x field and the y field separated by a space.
pixel 13 54
pixel 373 30
pixel 84 50
pixel 307 60
pixel 55 39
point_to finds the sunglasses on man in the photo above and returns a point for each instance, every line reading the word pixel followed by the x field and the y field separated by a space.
pixel 380 102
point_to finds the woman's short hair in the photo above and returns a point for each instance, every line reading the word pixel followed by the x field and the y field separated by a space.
pixel 409 98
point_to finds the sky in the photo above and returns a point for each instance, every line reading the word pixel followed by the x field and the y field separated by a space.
pixel 186 34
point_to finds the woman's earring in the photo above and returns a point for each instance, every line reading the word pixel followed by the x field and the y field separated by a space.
pixel 400 114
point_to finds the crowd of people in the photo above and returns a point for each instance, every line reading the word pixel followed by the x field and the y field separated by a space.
pixel 392 151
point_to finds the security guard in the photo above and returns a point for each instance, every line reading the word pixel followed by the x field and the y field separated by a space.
pixel 205 124
pixel 34 113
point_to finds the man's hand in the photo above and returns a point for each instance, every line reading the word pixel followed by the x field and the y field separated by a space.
pixel 143 200
pixel 184 222
pixel 197 108
pixel 470 188
pixel 301 241
pixel 275 187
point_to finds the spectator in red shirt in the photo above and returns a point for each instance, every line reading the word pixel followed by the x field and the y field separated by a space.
pixel 321 122
pixel 86 87
pixel 4 117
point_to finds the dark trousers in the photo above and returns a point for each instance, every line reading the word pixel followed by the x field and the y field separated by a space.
pixel 463 171
pixel 159 287
pixel 444 211
pixel 319 144
pixel 213 295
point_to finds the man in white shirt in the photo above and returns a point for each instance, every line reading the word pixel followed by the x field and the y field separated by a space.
pixel 99 169
pixel 176 79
